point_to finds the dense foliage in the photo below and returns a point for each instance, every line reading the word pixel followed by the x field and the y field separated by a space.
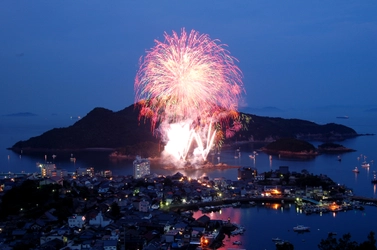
pixel 345 243
pixel 32 200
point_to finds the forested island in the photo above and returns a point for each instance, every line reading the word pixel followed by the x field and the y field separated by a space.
pixel 125 132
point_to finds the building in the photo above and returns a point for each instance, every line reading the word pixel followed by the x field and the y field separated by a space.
pixel 144 206
pixel 106 173
pixel 141 167
pixel 85 171
pixel 247 173
pixel 76 221
pixel 99 220
pixel 47 169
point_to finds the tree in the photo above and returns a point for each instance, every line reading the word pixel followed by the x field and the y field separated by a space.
pixel 345 243
pixel 115 209
pixel 285 246
pixel 370 244
pixel 330 243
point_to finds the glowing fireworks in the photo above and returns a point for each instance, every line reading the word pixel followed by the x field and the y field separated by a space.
pixel 188 83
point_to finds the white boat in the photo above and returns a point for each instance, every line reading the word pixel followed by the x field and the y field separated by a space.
pixel 374 180
pixel 356 170
pixel 276 239
pixel 237 242
pixel 301 228
pixel 343 117
pixel 365 164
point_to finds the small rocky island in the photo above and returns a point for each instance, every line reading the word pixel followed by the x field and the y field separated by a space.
pixel 333 148
pixel 291 147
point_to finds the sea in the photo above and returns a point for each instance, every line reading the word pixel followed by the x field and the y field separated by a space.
pixel 262 222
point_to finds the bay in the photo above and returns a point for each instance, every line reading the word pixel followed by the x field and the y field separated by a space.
pixel 262 222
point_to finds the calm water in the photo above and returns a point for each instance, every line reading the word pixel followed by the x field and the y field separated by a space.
pixel 262 222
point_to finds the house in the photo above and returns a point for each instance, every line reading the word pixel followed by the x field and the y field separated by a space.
pixel 18 234
pixel 170 236
pixel 144 206
pixel 76 221
pixel 203 220
pixel 49 237
pixel 99 220
pixel 110 244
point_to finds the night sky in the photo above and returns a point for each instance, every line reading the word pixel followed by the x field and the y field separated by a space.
pixel 68 57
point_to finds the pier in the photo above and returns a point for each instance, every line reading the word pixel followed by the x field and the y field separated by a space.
pixel 10 174
pixel 364 199
pixel 196 206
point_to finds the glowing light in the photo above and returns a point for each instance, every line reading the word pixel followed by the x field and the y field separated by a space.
pixel 189 86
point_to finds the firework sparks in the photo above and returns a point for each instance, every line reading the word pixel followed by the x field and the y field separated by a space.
pixel 187 83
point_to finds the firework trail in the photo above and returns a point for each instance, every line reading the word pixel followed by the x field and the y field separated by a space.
pixel 187 84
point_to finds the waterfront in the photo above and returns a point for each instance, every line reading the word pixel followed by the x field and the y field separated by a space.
pixel 262 222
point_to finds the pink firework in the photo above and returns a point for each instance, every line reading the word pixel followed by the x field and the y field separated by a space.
pixel 187 78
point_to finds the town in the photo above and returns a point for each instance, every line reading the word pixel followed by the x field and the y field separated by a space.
pixel 55 209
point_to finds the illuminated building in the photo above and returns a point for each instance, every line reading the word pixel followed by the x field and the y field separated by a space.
pixel 247 173
pixel 85 171
pixel 106 173
pixel 47 169
pixel 141 167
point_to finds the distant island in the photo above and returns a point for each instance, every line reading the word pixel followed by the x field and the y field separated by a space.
pixel 122 131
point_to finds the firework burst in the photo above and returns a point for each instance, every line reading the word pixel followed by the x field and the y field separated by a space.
pixel 191 81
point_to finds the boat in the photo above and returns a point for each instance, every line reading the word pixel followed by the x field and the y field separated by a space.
pixel 365 164
pixel 356 170
pixel 276 239
pixel 343 117
pixel 282 243
pixel 301 228
pixel 237 242
pixel 374 180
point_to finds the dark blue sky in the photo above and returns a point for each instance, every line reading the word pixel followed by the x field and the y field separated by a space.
pixel 68 57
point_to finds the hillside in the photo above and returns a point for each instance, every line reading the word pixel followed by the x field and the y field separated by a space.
pixel 103 128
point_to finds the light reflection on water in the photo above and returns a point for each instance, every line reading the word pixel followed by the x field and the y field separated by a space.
pixel 268 221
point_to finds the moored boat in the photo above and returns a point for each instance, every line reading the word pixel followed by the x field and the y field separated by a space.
pixel 356 170
pixel 301 228
pixel 276 239
pixel 237 242
pixel 365 165
pixel 374 180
